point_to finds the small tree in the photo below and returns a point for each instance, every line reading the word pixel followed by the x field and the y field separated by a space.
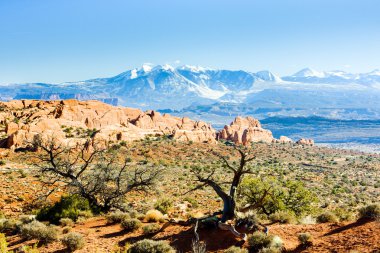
pixel 90 171
pixel 207 176
pixel 269 195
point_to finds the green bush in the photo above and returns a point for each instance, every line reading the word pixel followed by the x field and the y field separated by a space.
pixel 327 217
pixel 275 195
pixel 71 206
pixel 39 231
pixel 163 205
pixel 73 241
pixel 2 162
pixel 151 228
pixel 150 246
pixel 283 217
pixel 235 249
pixel 117 217
pixel 3 244
pixel 131 224
pixel 305 239
pixel 370 212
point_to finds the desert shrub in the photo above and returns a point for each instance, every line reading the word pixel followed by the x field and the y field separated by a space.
pixel 68 207
pixel 163 205
pixel 259 240
pixel 235 249
pixel 66 230
pixel 270 250
pixel 66 222
pixel 3 244
pixel 24 219
pixel 151 228
pixel 283 217
pixel 39 231
pixel 270 195
pixel 131 224
pixel 117 217
pixel 30 249
pixel 73 241
pixel 305 239
pixel 249 219
pixel 150 246
pixel 327 217
pixel 2 162
pixel 8 225
pixel 154 216
pixel 192 201
pixel 370 212
pixel 343 215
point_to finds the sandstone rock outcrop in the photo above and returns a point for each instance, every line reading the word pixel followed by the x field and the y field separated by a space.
pixel 71 120
pixel 306 142
pixel 245 130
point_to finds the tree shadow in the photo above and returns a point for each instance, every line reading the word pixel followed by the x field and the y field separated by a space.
pixel 357 223
pixel 214 238
pixel 116 234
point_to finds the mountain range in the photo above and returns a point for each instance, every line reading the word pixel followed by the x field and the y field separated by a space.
pixel 307 92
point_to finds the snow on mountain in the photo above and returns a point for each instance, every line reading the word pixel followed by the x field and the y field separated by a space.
pixel 163 86
pixel 268 76
pixel 308 72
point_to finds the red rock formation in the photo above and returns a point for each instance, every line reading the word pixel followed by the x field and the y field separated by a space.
pixel 26 118
pixel 245 130
pixel 306 142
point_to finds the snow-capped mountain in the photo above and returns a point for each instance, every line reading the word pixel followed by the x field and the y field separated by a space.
pixel 166 87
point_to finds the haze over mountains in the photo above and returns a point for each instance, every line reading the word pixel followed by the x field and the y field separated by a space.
pixel 332 94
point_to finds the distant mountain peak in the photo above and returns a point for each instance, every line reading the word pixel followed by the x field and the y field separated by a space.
pixel 193 68
pixel 266 75
pixel 309 72
pixel 375 72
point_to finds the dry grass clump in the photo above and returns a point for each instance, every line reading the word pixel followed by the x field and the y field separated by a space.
pixel 327 217
pixel 163 205
pixel 39 231
pixel 73 241
pixel 283 217
pixel 66 222
pixel 370 212
pixel 154 216
pixel 266 243
pixel 151 228
pixel 9 225
pixel 150 246
pixel 305 239
pixel 235 249
pixel 131 224
pixel 117 217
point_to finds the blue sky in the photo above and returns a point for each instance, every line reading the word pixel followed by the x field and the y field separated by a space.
pixel 69 40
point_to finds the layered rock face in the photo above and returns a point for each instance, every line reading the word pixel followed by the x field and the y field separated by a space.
pixel 246 130
pixel 72 121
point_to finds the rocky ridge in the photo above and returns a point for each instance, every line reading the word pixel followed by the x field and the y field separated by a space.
pixel 73 121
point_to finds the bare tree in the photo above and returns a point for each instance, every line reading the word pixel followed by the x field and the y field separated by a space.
pixel 92 172
pixel 207 177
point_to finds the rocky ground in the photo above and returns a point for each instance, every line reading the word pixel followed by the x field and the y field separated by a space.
pixel 322 169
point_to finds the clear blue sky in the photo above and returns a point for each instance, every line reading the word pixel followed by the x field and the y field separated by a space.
pixel 69 40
